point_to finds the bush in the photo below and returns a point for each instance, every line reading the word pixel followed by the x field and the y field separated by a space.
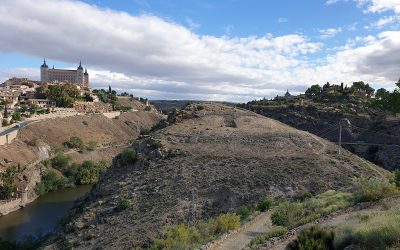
pixel 4 123
pixel 191 237
pixel 33 142
pixel 129 155
pixel 372 189
pixel 124 203
pixel 313 238
pixel 50 182
pixel 226 222
pixel 74 142
pixel 264 204
pixel 303 196
pixel 8 186
pixel 16 116
pixel 92 145
pixel 397 177
pixel 60 162
pixel 287 214
pixel 243 212
pixel 274 232
pixel 88 172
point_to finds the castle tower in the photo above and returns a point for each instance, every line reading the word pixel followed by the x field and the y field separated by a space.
pixel 86 79
pixel 43 71
pixel 79 74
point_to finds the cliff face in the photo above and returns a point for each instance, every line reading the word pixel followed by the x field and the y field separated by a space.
pixel 210 161
pixel 379 134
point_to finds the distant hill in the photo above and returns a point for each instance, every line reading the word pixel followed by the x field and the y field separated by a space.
pixel 210 161
pixel 167 105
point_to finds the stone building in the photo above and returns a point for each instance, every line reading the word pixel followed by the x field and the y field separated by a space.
pixel 78 76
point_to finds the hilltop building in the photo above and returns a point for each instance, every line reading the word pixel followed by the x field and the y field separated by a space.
pixel 53 75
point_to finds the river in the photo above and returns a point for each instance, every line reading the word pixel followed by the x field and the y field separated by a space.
pixel 40 216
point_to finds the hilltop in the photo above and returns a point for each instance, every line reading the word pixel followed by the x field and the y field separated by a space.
pixel 374 125
pixel 213 159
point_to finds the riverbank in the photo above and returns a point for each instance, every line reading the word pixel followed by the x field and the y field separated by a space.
pixel 40 216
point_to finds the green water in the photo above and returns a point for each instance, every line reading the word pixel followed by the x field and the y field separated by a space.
pixel 40 216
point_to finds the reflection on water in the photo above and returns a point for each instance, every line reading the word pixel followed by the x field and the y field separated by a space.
pixel 39 217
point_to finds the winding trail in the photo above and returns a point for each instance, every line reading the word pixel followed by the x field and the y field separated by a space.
pixel 237 241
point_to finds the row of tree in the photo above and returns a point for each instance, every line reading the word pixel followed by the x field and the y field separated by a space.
pixel 328 91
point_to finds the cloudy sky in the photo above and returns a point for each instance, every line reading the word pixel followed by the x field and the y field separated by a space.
pixel 231 50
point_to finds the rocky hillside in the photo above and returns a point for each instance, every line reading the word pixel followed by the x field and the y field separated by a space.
pixel 367 126
pixel 210 161
pixel 41 140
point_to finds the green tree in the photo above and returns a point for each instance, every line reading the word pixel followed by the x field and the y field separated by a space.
pixel 16 116
pixel 314 91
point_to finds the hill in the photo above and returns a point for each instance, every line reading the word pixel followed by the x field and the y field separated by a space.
pixel 44 139
pixel 377 132
pixel 212 160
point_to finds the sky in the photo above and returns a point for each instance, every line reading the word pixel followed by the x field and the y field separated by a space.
pixel 225 50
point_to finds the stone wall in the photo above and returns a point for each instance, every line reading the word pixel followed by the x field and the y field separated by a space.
pixel 11 136
pixel 92 107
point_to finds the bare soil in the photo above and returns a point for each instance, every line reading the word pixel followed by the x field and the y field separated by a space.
pixel 213 161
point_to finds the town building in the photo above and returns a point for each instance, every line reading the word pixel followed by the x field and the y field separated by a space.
pixel 42 103
pixel 78 76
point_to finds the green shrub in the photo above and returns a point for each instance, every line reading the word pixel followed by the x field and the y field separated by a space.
pixel 124 203
pixel 191 237
pixel 88 172
pixel 60 162
pixel 8 186
pixel 372 189
pixel 74 142
pixel 200 107
pixel 226 222
pixel 288 214
pixel 4 123
pixel 274 232
pixel 129 155
pixel 304 196
pixel 16 116
pixel 92 145
pixel 264 204
pixel 147 108
pixel 243 212
pixel 50 182
pixel 313 238
pixel 397 177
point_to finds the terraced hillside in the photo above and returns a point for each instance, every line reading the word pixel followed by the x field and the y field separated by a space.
pixel 210 161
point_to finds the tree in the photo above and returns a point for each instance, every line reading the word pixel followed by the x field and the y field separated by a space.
pixel 16 116
pixel 382 94
pixel 314 91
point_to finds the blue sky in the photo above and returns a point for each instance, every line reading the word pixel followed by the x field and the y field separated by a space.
pixel 232 50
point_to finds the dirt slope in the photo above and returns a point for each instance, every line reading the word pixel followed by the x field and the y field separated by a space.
pixel 213 161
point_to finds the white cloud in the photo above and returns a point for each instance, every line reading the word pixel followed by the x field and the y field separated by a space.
pixel 329 33
pixel 383 22
pixel 162 59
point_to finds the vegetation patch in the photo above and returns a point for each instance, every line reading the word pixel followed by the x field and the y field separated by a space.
pixel 189 237
pixel 274 232
pixel 373 189
pixel 293 214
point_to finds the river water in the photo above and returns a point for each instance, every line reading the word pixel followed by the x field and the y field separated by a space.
pixel 40 216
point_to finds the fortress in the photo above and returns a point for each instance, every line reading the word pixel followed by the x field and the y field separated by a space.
pixel 53 75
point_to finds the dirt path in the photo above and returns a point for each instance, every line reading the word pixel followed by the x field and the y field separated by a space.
pixel 261 224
